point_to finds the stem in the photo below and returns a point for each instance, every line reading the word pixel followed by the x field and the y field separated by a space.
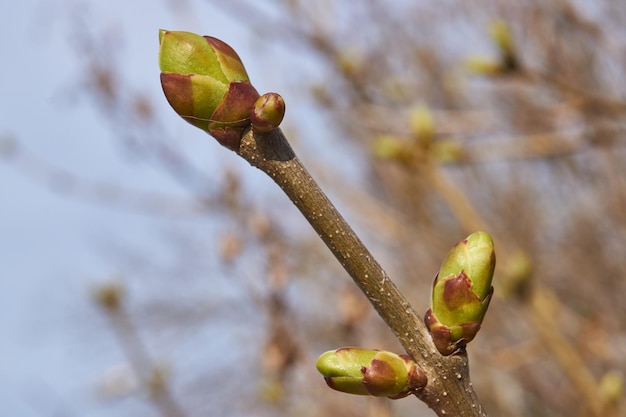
pixel 140 360
pixel 449 390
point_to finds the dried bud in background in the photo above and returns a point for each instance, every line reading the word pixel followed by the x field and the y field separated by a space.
pixel 422 126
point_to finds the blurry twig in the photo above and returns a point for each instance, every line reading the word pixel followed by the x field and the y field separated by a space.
pixel 582 98
pixel 65 182
pixel 110 298
pixel 544 309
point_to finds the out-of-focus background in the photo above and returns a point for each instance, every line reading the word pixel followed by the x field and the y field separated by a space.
pixel 146 271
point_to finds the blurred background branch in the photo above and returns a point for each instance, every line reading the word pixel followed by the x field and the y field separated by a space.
pixel 430 120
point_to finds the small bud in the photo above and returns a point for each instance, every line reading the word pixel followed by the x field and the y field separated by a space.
pixel 446 151
pixel 268 112
pixel 206 83
pixel 611 387
pixel 501 35
pixel 461 293
pixel 483 66
pixel 370 372
pixel 517 273
pixel 507 62
pixel 422 126
pixel 350 61
pixel 391 147
pixel 109 296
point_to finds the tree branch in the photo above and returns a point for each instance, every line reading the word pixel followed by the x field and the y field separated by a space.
pixel 449 390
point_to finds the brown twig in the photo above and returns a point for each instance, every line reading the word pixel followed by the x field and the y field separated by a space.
pixel 449 390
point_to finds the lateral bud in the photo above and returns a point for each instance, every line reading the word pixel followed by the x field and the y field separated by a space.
pixel 267 113
pixel 461 293
pixel 371 372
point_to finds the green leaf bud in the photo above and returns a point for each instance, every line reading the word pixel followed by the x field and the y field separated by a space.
pixel 461 293
pixel 206 83
pixel 370 372
pixel 268 112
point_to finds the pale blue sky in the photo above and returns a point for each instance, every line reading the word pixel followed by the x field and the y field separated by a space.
pixel 55 345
